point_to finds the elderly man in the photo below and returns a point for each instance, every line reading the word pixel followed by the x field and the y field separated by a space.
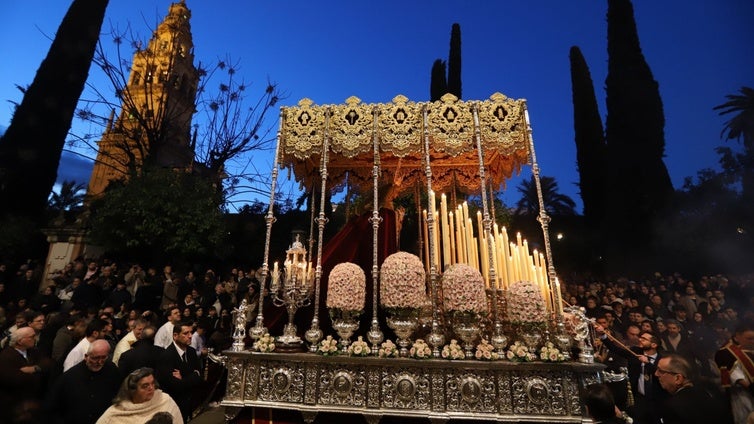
pixel 687 404
pixel 85 391
pixel 22 376
pixel 95 330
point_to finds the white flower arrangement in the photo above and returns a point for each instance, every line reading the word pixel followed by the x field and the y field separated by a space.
pixel 265 343
pixel 402 282
pixel 328 347
pixel 359 348
pixel 420 350
pixel 452 351
pixel 485 351
pixel 388 349
pixel 550 353
pixel 463 290
pixel 346 287
pixel 526 306
pixel 518 352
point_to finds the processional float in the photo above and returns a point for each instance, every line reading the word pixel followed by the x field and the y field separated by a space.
pixel 474 283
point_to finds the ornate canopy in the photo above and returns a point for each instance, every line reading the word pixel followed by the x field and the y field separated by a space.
pixel 399 130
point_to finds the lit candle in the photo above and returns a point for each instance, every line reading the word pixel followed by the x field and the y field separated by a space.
pixel 460 242
pixel 471 257
pixel 452 233
pixel 437 243
pixel 445 231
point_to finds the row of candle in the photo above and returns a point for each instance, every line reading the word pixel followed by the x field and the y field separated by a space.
pixel 454 242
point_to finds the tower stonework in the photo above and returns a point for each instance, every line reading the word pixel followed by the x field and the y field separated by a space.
pixel 157 105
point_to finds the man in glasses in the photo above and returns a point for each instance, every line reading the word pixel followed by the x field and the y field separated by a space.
pixel 86 390
pixel 687 404
pixel 642 362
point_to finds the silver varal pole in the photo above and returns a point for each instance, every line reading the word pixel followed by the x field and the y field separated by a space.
pixel 436 338
pixel 259 329
pixel 498 339
pixel 375 335
pixel 314 334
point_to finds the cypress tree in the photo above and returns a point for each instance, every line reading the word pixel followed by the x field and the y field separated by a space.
pixel 437 85
pixel 31 147
pixel 639 182
pixel 454 61
pixel 591 150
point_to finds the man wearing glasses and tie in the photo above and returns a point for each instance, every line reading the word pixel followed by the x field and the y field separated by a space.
pixel 642 363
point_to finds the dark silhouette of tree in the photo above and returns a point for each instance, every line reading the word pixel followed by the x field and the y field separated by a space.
pixel 454 61
pixel 438 86
pixel 741 126
pixel 591 151
pixel 740 166
pixel 555 203
pixel 70 197
pixel 640 186
pixel 440 82
pixel 31 147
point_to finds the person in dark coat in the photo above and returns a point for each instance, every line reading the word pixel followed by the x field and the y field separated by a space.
pixel 85 391
pixel 642 362
pixel 687 404
pixel 143 353
pixel 22 376
pixel 179 369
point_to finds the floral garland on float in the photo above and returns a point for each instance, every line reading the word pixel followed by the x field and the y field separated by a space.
pixel 527 312
pixel 346 290
pixel 464 299
pixel 402 294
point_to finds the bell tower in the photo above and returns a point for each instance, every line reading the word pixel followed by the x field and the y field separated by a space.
pixel 157 105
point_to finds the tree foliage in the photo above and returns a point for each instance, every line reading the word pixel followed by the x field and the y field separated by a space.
pixel 440 82
pixel 438 85
pixel 739 166
pixel 591 150
pixel 639 184
pixel 31 147
pixel 555 203
pixel 159 213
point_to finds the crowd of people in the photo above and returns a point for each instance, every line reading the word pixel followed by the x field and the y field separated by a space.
pixel 97 342
pixel 133 341
pixel 684 346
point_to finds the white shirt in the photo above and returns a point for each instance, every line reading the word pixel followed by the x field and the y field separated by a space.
pixel 76 355
pixel 197 342
pixel 164 335
pixel 123 345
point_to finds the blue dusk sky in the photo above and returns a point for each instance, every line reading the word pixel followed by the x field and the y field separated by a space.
pixel 698 50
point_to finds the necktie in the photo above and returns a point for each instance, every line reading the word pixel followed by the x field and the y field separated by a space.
pixel 183 357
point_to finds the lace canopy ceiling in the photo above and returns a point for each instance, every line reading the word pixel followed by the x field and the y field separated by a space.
pixel 399 130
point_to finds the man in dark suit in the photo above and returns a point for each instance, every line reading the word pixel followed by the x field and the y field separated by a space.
pixel 143 353
pixel 179 369
pixel 687 404
pixel 642 362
